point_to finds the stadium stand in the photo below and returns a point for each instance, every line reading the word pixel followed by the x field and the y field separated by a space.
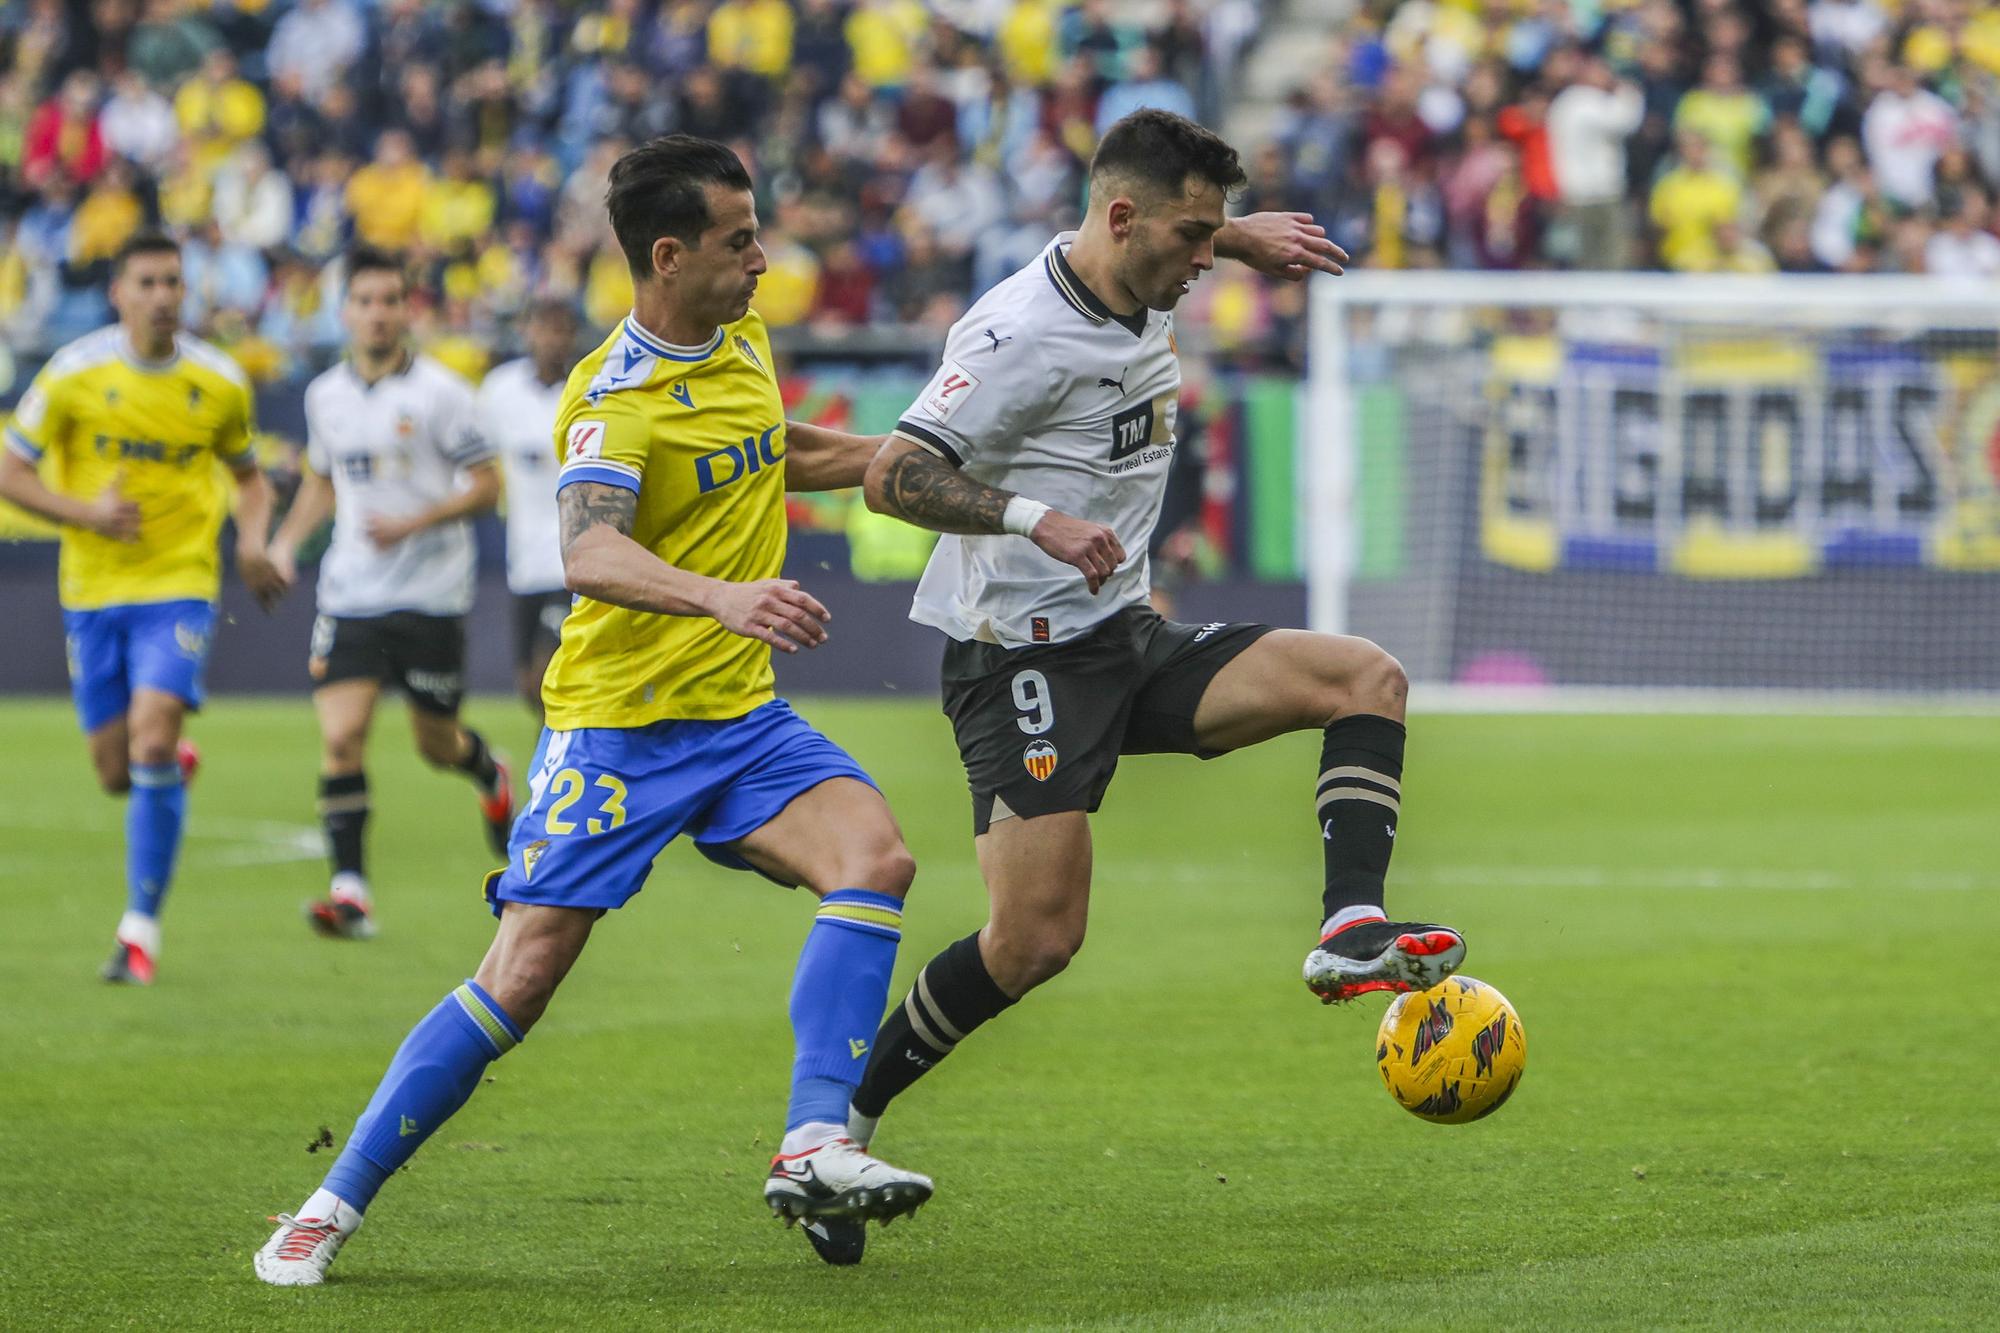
pixel 908 156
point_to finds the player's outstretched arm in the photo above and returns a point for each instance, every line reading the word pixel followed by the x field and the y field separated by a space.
pixel 909 482
pixel 480 493
pixel 109 515
pixel 602 561
pixel 312 506
pixel 261 574
pixel 820 459
pixel 1280 245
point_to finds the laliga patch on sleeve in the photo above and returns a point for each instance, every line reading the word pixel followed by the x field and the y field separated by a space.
pixel 586 440
pixel 953 386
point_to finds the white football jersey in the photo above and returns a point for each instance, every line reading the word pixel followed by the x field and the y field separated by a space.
pixel 394 448
pixel 517 414
pixel 1046 393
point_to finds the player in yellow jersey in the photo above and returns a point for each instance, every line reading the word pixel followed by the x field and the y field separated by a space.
pixel 132 420
pixel 661 718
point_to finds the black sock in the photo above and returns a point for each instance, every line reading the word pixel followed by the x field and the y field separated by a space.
pixel 1359 796
pixel 953 995
pixel 343 809
pixel 478 763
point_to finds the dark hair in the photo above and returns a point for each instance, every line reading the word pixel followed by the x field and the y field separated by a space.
pixel 551 307
pixel 1161 150
pixel 146 241
pixel 659 189
pixel 366 258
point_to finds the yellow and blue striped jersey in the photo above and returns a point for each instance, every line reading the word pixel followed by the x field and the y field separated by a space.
pixel 101 414
pixel 699 434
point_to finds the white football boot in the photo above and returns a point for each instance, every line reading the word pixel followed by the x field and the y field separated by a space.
pixel 1378 955
pixel 299 1252
pixel 838 1179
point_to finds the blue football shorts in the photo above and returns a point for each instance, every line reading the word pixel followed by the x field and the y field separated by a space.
pixel 115 650
pixel 603 802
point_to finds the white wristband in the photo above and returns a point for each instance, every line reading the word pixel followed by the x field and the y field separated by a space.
pixel 1022 515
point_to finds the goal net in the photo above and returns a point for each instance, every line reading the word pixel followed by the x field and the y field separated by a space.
pixel 1659 483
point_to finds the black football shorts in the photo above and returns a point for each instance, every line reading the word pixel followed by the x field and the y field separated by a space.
pixel 1040 729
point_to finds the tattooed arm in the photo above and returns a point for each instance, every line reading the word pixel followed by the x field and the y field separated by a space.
pixel 910 482
pixel 602 562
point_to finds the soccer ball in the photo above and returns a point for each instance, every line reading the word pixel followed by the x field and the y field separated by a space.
pixel 1452 1053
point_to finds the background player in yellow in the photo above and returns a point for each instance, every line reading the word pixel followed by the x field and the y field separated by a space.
pixel 661 718
pixel 132 420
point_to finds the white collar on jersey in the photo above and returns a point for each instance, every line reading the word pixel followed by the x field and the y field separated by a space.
pixel 130 354
pixel 660 347
pixel 404 367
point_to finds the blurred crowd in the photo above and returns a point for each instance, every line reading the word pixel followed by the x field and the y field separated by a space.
pixel 1807 136
pixel 909 155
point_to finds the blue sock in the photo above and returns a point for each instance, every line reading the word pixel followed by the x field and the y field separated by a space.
pixel 838 995
pixel 434 1072
pixel 153 817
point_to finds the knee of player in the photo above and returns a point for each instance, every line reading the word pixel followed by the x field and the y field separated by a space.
pixel 150 751
pixel 440 751
pixel 1379 685
pixel 892 870
pixel 885 868
pixel 1033 956
pixel 115 781
pixel 523 986
pixel 343 753
pixel 1050 954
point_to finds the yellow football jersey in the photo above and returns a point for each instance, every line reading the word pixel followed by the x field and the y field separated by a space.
pixel 100 414
pixel 699 434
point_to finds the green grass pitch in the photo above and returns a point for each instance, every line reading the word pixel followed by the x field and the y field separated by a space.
pixel 1753 958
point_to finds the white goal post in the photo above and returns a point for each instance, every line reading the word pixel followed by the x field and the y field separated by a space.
pixel 1655 488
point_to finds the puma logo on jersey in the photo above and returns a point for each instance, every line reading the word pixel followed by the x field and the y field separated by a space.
pixel 682 394
pixel 997 340
pixel 1106 382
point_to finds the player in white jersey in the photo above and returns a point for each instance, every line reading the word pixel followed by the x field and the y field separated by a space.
pixel 1041 447
pixel 395 455
pixel 517 414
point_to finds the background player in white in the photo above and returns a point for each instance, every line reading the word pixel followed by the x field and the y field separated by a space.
pixel 1042 446
pixel 517 415
pixel 394 453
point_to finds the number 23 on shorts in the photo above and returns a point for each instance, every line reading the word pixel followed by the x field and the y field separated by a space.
pixel 568 787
